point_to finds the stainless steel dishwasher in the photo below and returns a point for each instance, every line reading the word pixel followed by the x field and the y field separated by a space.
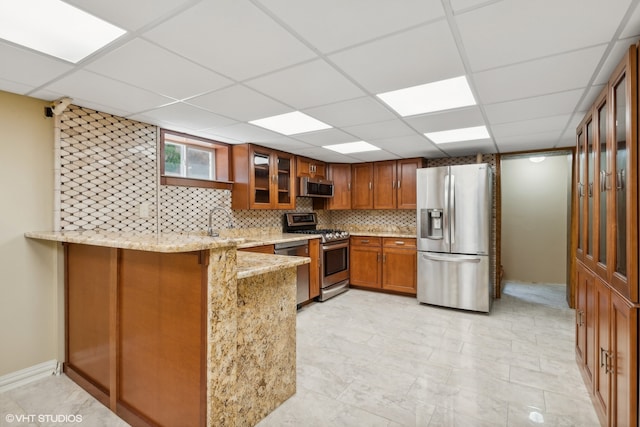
pixel 298 248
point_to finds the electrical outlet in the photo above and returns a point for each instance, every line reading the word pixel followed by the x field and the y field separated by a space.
pixel 144 210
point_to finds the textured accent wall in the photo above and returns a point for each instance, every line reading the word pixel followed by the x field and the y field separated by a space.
pixel 108 168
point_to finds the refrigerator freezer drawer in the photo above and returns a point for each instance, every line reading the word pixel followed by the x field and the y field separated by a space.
pixel 457 281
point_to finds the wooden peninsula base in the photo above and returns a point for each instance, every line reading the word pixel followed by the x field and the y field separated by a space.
pixel 183 338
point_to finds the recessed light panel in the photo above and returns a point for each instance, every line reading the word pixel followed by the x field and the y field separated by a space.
pixel 291 123
pixel 352 147
pixel 456 135
pixel 55 28
pixel 430 97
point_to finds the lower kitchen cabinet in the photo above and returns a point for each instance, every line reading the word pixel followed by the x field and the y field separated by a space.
pixel 315 275
pixel 383 263
pixel 399 265
pixel 609 365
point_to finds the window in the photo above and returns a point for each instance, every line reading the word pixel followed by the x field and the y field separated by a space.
pixel 192 161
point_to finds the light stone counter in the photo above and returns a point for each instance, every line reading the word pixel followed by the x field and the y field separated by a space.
pixel 253 264
pixel 272 239
pixel 151 242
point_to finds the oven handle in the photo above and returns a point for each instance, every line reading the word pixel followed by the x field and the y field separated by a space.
pixel 331 246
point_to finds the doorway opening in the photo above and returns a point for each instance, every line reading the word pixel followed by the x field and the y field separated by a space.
pixel 536 226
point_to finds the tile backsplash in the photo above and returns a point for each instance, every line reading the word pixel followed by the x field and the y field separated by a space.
pixel 108 168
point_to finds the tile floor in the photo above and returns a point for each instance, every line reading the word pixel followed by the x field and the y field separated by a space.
pixel 370 359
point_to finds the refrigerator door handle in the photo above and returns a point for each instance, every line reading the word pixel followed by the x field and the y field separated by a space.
pixel 445 213
pixel 452 214
pixel 458 258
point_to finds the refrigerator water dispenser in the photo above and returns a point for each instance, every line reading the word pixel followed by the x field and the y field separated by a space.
pixel 431 223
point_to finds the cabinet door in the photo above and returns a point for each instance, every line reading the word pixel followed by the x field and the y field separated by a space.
pixel 365 266
pixel 261 182
pixel 319 169
pixel 406 186
pixel 362 186
pixel 585 323
pixel 340 174
pixel 623 362
pixel 602 379
pixel 602 191
pixel 284 181
pixel 590 166
pixel 314 268
pixel 384 187
pixel 580 185
pixel 623 102
pixel 399 269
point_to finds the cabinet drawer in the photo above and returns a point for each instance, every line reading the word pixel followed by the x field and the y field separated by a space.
pixel 365 241
pixel 399 242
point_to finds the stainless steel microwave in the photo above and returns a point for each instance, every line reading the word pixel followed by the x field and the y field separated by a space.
pixel 315 187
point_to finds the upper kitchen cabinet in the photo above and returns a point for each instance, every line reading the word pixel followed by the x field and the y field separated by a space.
pixel 340 174
pixel 263 178
pixel 310 168
pixel 394 183
pixel 362 186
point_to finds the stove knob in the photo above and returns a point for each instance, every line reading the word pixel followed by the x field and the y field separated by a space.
pixel 329 236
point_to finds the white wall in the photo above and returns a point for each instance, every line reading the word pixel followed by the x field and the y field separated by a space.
pixel 29 329
pixel 534 219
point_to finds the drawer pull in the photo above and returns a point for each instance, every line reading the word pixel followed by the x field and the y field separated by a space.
pixel 364 241
pixel 399 242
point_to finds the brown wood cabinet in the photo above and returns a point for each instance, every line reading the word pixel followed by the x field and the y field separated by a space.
pixel 315 275
pixel 340 174
pixel 123 342
pixel 310 168
pixel 383 263
pixel 365 255
pixel 263 178
pixel 394 183
pixel 399 264
pixel 362 186
pixel 606 246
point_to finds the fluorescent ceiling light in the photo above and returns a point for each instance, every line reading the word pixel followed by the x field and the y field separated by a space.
pixel 426 98
pixel 537 159
pixel 456 135
pixel 291 123
pixel 352 147
pixel 55 28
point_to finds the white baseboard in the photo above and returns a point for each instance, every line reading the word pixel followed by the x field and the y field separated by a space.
pixel 27 375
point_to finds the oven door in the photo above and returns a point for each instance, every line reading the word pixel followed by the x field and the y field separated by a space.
pixel 335 263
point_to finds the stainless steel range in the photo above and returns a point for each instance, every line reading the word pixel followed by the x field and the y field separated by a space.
pixel 334 254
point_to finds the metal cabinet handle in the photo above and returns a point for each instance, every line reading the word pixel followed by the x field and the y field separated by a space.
pixel 580 321
pixel 609 365
pixel 398 184
pixel 364 241
pixel 602 357
pixel 393 185
pixel 399 242
pixel 590 189
pixel 580 190
pixel 620 175
pixel 349 186
pixel 384 258
pixel 370 185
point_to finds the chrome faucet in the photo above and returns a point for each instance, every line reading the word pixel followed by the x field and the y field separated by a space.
pixel 210 231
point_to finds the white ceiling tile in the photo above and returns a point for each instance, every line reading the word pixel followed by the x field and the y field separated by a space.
pixel 408 146
pixel 232 37
pixel 286 144
pixel 590 98
pixel 468 148
pixel 374 156
pixel 246 133
pixel 307 85
pixel 335 24
pixel 130 15
pixel 29 68
pixel 614 58
pixel 410 58
pixel 453 119
pixel 459 5
pixel 536 29
pixel 546 124
pixel 325 155
pixel 533 108
pixel 534 141
pixel 326 137
pixel 240 103
pixel 540 77
pixel 187 116
pixel 352 112
pixel 19 88
pixel 379 130
pixel 149 67
pixel 632 29
pixel 85 86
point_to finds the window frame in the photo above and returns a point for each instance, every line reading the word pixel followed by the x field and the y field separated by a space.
pixel 221 167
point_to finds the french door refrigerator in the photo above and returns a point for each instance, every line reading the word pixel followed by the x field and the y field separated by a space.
pixel 454 235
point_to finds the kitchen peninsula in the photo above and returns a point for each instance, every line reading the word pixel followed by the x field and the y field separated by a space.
pixel 179 329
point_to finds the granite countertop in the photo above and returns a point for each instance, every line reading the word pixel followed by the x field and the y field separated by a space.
pixel 383 234
pixel 165 242
pixel 272 239
pixel 253 264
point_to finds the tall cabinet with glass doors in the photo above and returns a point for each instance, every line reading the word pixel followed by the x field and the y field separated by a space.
pixel 607 299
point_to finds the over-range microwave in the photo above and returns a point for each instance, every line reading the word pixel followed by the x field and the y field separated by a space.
pixel 315 187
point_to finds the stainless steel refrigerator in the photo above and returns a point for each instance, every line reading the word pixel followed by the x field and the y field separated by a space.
pixel 454 236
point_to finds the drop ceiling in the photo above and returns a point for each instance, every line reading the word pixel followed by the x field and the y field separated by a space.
pixel 209 67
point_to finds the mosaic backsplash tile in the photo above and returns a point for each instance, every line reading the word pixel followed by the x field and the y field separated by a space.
pixel 107 170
